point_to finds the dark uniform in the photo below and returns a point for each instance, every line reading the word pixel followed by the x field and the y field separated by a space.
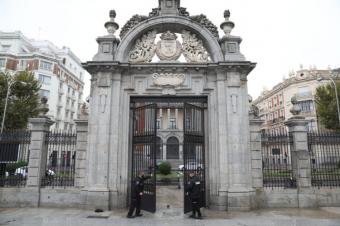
pixel 194 191
pixel 137 188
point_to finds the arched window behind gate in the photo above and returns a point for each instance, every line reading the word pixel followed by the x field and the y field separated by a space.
pixel 172 148
pixel 159 148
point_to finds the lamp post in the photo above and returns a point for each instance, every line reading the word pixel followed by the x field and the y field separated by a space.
pixel 336 94
pixel 9 86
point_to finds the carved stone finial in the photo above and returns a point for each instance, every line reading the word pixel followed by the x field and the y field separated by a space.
pixel 226 14
pixel 227 26
pixel 113 14
pixel 43 109
pixel 111 25
pixel 296 109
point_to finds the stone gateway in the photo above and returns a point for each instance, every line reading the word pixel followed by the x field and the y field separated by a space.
pixel 169 63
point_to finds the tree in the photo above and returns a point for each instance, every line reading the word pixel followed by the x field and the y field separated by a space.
pixel 23 101
pixel 326 106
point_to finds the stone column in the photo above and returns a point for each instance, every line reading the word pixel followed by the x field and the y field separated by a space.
pixel 169 116
pixel 164 151
pixel 161 118
pixel 301 160
pixel 82 137
pixel 256 153
pixel 176 116
pixel 240 190
pixel 38 156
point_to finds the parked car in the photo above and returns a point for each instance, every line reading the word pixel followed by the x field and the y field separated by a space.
pixel 191 166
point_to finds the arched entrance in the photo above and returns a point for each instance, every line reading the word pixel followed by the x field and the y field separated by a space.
pixel 193 62
pixel 172 148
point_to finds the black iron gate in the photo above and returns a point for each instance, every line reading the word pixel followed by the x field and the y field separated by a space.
pixel 144 152
pixel 193 150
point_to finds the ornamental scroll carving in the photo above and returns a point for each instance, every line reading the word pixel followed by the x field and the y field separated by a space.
pixel 168 79
pixel 145 48
pixel 193 49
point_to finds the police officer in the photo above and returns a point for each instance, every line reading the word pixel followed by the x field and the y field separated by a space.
pixel 194 191
pixel 137 190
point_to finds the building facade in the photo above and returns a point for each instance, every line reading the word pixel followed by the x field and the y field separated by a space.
pixel 274 105
pixel 59 71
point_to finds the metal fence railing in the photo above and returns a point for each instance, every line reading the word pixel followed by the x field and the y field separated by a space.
pixel 60 165
pixel 276 159
pixel 324 151
pixel 14 156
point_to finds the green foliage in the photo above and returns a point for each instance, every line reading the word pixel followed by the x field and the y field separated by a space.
pixel 326 106
pixel 23 101
pixel 11 167
pixel 165 168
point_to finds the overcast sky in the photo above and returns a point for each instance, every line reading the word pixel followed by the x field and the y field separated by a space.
pixel 280 35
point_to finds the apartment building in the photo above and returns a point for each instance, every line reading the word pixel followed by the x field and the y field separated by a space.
pixel 58 69
pixel 275 104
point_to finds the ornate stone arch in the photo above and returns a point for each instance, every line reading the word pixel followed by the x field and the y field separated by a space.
pixel 175 24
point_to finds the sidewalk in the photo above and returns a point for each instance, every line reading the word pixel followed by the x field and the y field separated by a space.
pixel 73 217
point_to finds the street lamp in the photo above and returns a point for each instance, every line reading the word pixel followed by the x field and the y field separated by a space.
pixel 336 94
pixel 10 83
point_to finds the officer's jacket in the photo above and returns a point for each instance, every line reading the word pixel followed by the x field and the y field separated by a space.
pixel 138 186
pixel 194 188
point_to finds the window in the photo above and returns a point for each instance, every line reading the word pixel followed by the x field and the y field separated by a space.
pixel 306 106
pixel 2 62
pixel 44 79
pixel 44 93
pixel 158 123
pixel 46 65
pixel 72 115
pixel 172 123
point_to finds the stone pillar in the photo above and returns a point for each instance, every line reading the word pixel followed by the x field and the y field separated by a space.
pixel 38 156
pixel 164 151
pixel 161 118
pixel 176 116
pixel 301 160
pixel 240 190
pixel 169 116
pixel 256 153
pixel 80 167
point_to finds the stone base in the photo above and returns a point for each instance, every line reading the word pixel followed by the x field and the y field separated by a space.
pixel 307 199
pixel 19 197
pixel 241 200
pixel 117 201
pixel 218 202
pixel 97 199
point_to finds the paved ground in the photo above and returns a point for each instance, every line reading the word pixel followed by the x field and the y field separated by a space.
pixel 173 216
pixel 73 217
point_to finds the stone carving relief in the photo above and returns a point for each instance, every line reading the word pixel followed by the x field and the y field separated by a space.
pixel 168 79
pixel 144 49
pixel 136 19
pixel 193 49
pixel 205 22
pixel 234 98
pixel 168 48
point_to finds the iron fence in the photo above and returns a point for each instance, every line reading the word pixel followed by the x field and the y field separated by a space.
pixel 276 159
pixel 14 156
pixel 324 151
pixel 60 165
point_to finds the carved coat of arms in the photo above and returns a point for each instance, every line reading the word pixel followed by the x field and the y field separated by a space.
pixel 168 48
